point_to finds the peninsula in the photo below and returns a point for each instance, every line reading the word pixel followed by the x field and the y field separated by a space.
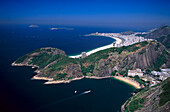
pixel 55 66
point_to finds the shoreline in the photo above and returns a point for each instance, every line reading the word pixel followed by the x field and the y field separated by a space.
pixel 41 78
pixel 63 81
pixel 128 81
pixel 118 41
pixel 51 81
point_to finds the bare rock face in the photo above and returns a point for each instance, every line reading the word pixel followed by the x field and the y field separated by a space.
pixel 73 70
pixel 143 58
pixel 106 71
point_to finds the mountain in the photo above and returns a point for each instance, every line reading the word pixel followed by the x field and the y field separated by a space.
pixel 159 32
pixel 165 40
pixel 127 33
pixel 154 99
pixel 53 63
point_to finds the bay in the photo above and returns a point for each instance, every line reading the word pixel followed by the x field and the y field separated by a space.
pixel 19 93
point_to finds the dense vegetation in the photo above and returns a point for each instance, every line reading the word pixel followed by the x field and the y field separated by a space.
pixel 165 40
pixel 43 59
pixel 137 78
pixel 154 97
pixel 114 72
pixel 165 95
pixel 160 61
pixel 97 56
pixel 135 104
pixel 88 69
pixel 21 59
pixel 62 62
pixel 60 76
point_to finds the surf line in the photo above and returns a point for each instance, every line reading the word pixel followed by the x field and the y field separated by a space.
pixel 62 100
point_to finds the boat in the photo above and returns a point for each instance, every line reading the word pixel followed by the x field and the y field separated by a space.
pixel 87 91
pixel 75 91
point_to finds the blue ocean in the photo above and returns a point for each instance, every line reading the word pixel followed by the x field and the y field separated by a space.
pixel 21 94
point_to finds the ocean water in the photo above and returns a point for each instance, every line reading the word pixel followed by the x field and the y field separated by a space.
pixel 21 94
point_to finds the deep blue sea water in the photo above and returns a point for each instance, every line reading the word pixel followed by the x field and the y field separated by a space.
pixel 20 94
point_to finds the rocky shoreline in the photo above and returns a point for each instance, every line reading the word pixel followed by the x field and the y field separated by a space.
pixel 52 81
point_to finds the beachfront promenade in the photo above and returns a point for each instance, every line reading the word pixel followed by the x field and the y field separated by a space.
pixel 121 40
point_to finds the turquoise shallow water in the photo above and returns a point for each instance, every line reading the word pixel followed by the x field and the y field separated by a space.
pixel 19 93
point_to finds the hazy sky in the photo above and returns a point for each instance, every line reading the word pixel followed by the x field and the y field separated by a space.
pixel 86 12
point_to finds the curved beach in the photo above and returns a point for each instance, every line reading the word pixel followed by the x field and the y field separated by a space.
pixel 128 81
pixel 118 41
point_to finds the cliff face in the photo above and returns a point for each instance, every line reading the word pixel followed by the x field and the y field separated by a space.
pixel 143 57
pixel 154 99
pixel 53 63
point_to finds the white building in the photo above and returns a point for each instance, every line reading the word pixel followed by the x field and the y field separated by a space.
pixel 83 54
pixel 165 70
pixel 163 75
pixel 135 72
pixel 155 73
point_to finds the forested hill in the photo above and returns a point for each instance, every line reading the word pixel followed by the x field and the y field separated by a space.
pixel 154 99
pixel 53 63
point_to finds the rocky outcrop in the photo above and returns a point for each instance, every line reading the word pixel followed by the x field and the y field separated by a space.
pixel 144 58
pixel 73 70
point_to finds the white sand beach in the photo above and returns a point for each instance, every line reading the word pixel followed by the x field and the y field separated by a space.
pixel 118 41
